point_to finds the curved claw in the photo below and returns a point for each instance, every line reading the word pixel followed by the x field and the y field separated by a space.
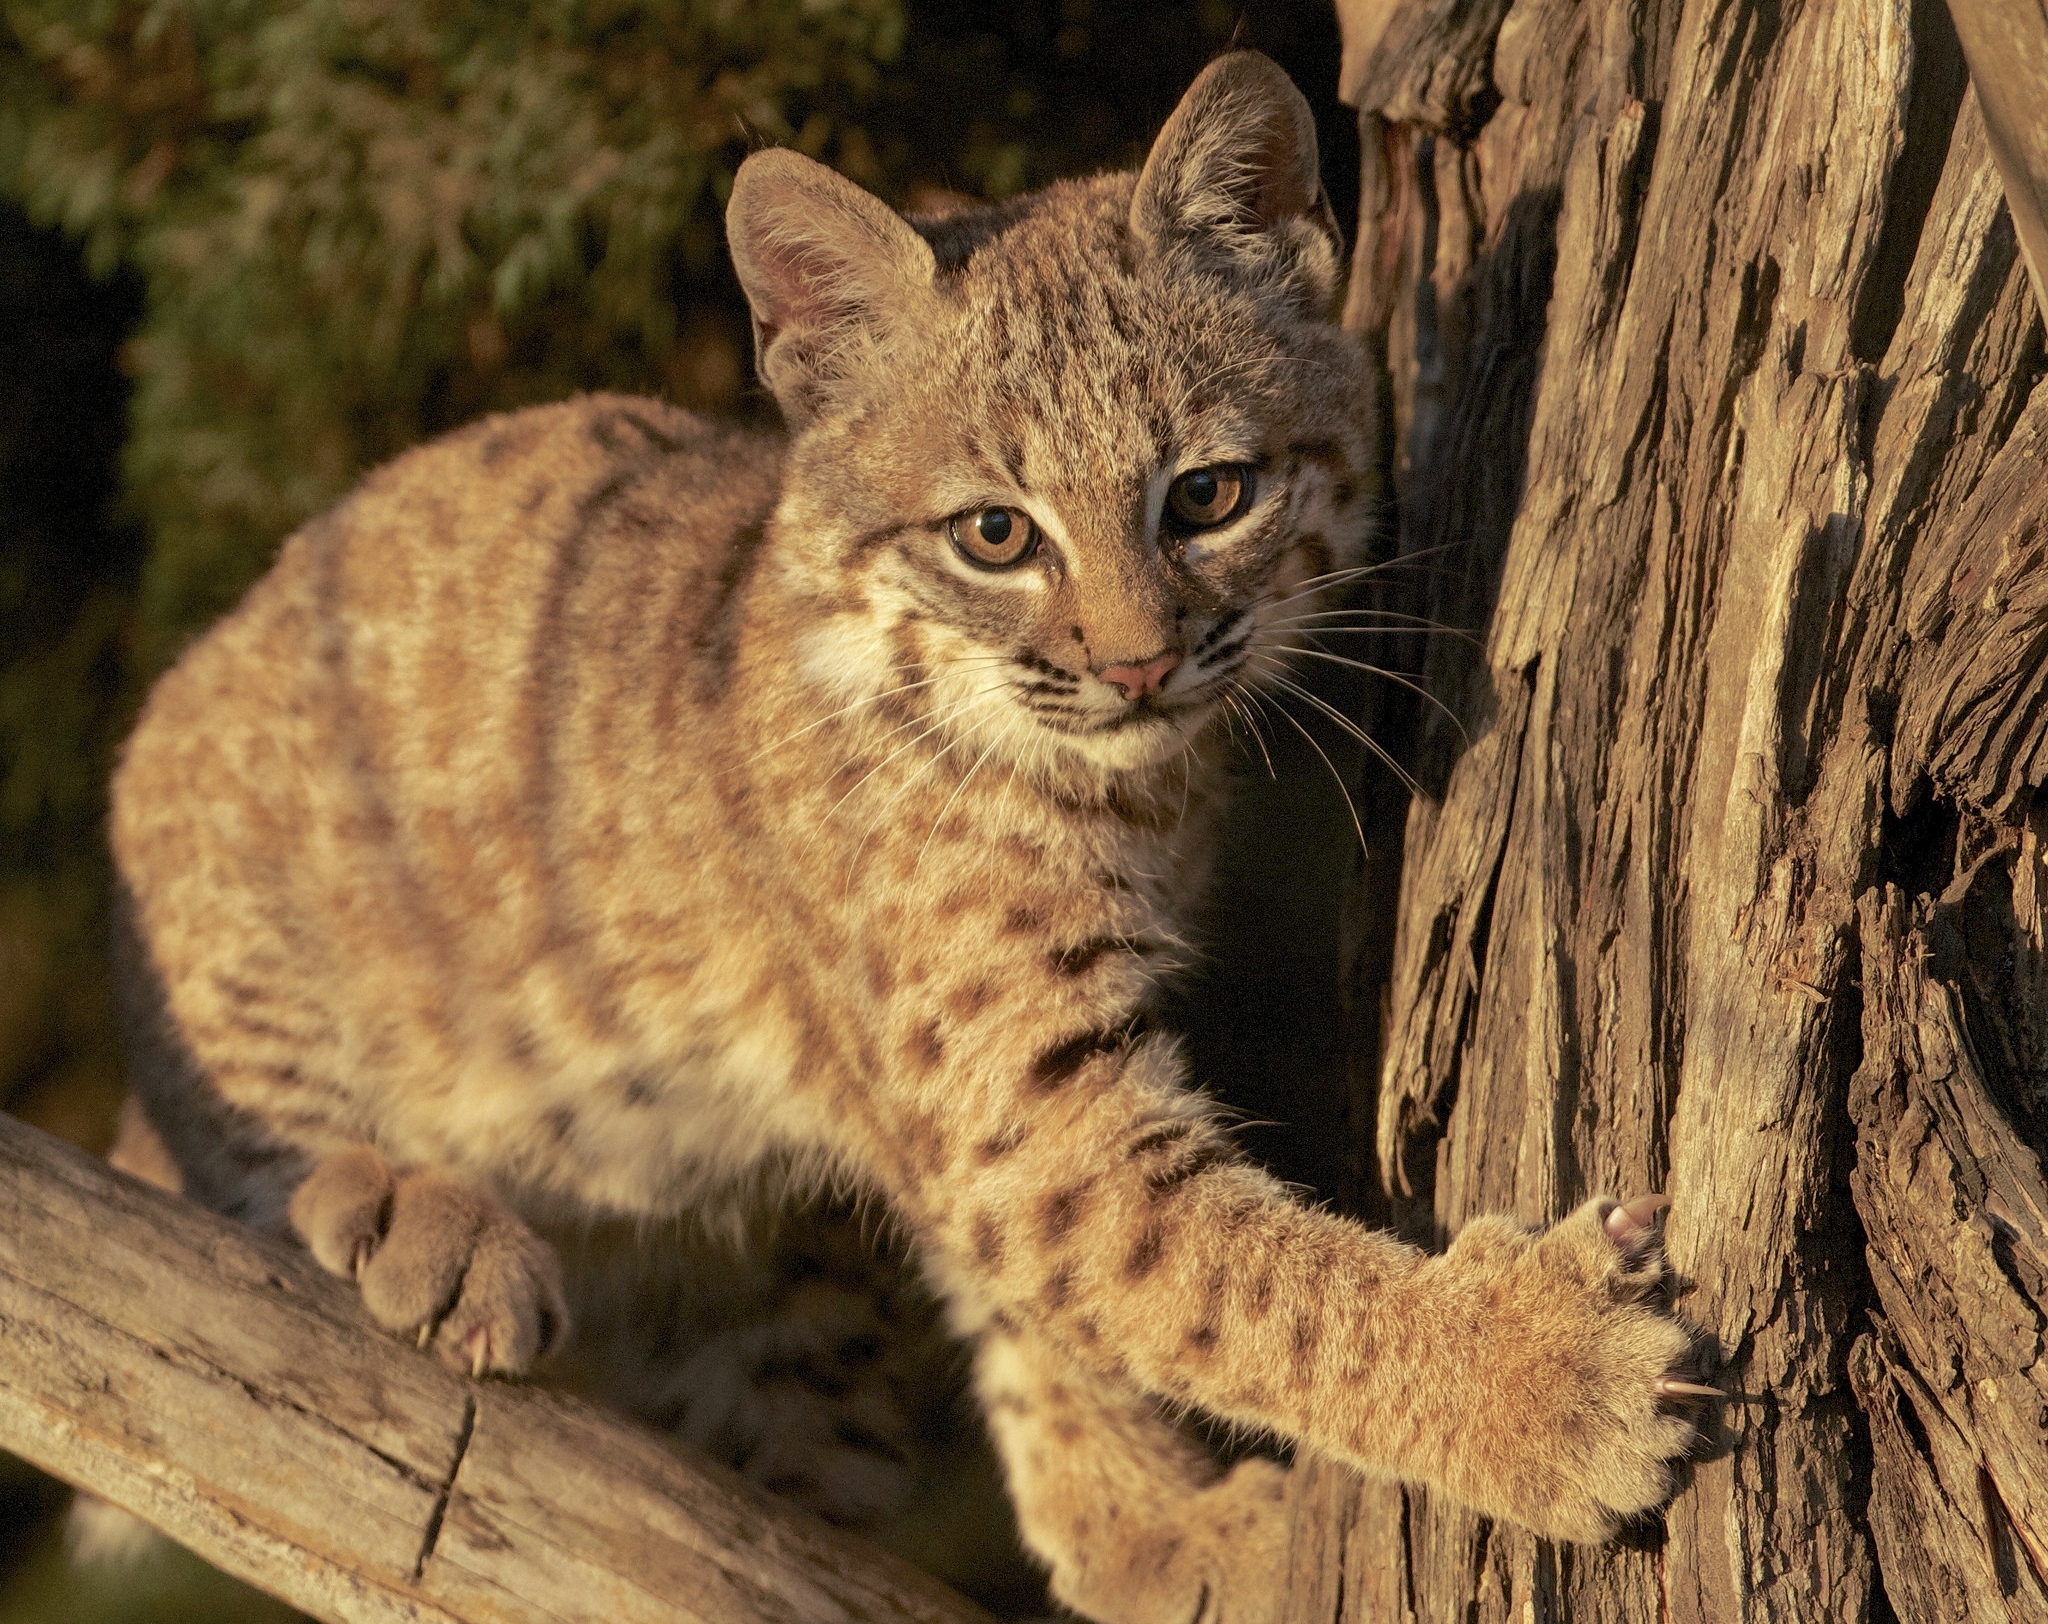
pixel 1672 1387
pixel 1631 1221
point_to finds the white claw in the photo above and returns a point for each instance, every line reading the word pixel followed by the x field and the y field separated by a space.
pixel 1631 1220
pixel 1672 1387
pixel 426 1333
pixel 479 1351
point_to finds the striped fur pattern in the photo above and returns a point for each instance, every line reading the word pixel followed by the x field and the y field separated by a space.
pixel 604 820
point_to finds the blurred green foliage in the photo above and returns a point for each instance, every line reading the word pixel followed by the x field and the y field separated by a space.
pixel 250 248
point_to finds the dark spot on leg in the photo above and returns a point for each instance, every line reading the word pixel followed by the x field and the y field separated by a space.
pixel 1171 1134
pixel 969 1001
pixel 926 1047
pixel 1063 1210
pixel 1145 1253
pixel 1084 956
pixel 1198 1160
pixel 1060 1287
pixel 998 1145
pixel 988 1242
pixel 925 1139
pixel 560 1122
pixel 1059 1064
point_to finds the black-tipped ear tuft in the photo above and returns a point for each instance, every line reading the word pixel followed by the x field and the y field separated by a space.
pixel 831 273
pixel 1233 176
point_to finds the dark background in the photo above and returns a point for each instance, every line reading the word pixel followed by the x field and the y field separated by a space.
pixel 250 248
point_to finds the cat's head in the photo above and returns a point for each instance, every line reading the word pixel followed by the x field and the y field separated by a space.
pixel 1066 467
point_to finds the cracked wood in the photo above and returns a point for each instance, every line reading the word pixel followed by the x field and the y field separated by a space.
pixel 218 1384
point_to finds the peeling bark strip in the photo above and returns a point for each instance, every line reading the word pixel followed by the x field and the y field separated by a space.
pixel 221 1386
pixel 1716 384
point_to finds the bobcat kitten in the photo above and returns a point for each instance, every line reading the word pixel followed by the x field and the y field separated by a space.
pixel 601 811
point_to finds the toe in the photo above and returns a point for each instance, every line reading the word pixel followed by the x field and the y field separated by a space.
pixel 341 1208
pixel 510 1311
pixel 411 1279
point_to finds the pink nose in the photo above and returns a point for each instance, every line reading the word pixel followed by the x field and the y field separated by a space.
pixel 1139 680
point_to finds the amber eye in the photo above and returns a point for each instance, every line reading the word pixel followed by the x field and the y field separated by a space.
pixel 993 538
pixel 1203 498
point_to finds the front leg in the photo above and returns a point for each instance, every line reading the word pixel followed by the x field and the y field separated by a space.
pixel 1079 1187
pixel 1134 1523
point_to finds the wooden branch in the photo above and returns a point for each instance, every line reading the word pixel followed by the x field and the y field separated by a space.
pixel 221 1386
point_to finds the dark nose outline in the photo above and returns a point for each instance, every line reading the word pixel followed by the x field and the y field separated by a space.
pixel 1137 681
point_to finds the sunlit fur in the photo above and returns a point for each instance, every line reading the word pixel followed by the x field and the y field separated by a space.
pixel 1070 381
pixel 602 812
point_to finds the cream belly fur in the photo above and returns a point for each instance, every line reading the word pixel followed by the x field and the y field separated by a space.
pixel 604 817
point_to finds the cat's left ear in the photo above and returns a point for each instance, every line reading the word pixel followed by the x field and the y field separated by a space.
pixel 1233 177
pixel 831 273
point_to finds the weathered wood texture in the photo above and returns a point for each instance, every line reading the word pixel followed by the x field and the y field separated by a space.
pixel 1714 369
pixel 222 1387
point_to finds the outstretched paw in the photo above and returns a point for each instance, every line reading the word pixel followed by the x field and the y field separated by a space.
pixel 435 1260
pixel 1573 1430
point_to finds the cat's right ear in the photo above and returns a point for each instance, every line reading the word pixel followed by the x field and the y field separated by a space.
pixel 831 272
pixel 1233 180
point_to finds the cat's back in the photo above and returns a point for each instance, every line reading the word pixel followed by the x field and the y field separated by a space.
pixel 376 733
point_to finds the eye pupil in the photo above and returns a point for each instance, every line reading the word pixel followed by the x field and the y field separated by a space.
pixel 1201 489
pixel 994 538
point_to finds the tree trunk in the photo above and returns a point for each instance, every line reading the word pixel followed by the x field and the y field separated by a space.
pixel 1712 359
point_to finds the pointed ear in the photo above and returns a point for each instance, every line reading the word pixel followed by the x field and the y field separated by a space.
pixel 1233 176
pixel 830 272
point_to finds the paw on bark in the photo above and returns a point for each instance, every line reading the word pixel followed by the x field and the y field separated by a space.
pixel 435 1261
pixel 1571 1429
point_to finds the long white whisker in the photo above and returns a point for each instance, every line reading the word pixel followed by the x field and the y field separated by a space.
pixel 966 778
pixel 1330 578
pixel 1399 622
pixel 936 722
pixel 1343 789
pixel 833 716
pixel 1392 676
pixel 1352 728
pixel 1238 709
pixel 903 789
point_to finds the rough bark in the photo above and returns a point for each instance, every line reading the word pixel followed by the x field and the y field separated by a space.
pixel 220 1386
pixel 1713 362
